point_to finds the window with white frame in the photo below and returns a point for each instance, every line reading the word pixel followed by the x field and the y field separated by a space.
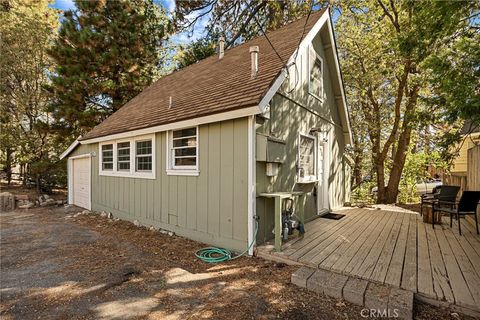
pixel 315 83
pixel 306 158
pixel 130 157
pixel 107 157
pixel 123 156
pixel 183 149
pixel 143 155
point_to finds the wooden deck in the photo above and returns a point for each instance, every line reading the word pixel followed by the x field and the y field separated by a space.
pixel 395 248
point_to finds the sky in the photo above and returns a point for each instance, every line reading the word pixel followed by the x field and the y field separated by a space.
pixel 169 5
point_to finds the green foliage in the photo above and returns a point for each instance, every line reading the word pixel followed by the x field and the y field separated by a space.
pixel 384 47
pixel 194 52
pixel 106 53
pixel 27 30
pixel 415 171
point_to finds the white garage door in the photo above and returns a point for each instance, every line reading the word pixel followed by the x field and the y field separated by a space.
pixel 81 182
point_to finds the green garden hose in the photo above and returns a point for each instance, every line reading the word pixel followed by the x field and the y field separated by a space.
pixel 216 255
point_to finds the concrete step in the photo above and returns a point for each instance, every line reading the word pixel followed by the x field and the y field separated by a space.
pixel 379 300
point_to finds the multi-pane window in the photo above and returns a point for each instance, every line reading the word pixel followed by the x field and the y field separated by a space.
pixel 183 148
pixel 123 156
pixel 107 157
pixel 306 161
pixel 315 86
pixel 143 155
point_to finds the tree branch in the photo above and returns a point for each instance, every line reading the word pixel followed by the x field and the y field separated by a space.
pixel 392 19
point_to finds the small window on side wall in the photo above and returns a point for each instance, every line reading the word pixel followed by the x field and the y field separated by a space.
pixel 123 156
pixel 306 158
pixel 183 151
pixel 107 157
pixel 315 83
pixel 143 156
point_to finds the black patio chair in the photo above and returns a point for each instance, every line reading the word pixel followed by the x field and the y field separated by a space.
pixel 445 194
pixel 466 206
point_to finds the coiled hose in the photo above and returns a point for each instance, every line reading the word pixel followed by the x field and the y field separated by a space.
pixel 216 255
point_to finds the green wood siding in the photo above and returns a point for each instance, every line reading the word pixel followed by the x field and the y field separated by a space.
pixel 288 118
pixel 210 208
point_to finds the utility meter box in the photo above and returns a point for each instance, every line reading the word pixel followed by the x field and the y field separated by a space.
pixel 271 169
pixel 270 149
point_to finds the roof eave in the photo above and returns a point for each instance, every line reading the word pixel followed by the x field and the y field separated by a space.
pixel 70 148
pixel 216 117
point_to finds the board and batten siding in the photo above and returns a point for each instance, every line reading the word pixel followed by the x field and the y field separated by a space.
pixel 288 118
pixel 211 207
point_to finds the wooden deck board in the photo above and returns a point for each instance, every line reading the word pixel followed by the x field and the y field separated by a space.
pixel 472 255
pixel 471 277
pixel 396 248
pixel 459 287
pixel 395 270
pixel 439 273
pixel 366 268
pixel 364 250
pixel 409 276
pixel 324 235
pixel 313 238
pixel 424 268
pixel 346 243
pixel 323 250
pixel 380 271
pixel 354 249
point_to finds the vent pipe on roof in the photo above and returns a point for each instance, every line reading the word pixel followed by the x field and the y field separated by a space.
pixel 254 59
pixel 221 47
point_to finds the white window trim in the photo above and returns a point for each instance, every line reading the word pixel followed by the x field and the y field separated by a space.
pixel 115 146
pixel 314 177
pixel 173 170
pixel 113 157
pixel 133 152
pixel 311 51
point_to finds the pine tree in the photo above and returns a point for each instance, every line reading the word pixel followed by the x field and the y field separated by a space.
pixel 107 52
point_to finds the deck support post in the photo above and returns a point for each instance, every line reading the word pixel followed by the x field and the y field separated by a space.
pixel 278 224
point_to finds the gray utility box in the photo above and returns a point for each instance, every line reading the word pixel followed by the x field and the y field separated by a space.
pixel 270 149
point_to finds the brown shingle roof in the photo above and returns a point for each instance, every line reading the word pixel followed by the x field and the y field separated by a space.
pixel 210 86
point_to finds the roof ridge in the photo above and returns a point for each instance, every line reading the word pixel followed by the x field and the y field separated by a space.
pixel 241 44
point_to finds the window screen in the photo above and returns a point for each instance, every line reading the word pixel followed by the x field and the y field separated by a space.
pixel 123 156
pixel 107 157
pixel 306 158
pixel 143 155
pixel 183 151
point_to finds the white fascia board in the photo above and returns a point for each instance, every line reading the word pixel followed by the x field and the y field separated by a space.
pixel 70 148
pixel 340 80
pixel 239 113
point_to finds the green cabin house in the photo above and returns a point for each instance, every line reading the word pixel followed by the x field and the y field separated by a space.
pixel 208 150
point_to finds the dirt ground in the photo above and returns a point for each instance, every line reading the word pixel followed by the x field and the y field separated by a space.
pixel 56 266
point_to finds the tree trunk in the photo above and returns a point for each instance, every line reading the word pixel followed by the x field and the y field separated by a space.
pixel 391 192
pixel 37 183
pixel 8 164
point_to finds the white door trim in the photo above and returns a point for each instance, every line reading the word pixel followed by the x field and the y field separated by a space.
pixel 70 178
pixel 322 194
